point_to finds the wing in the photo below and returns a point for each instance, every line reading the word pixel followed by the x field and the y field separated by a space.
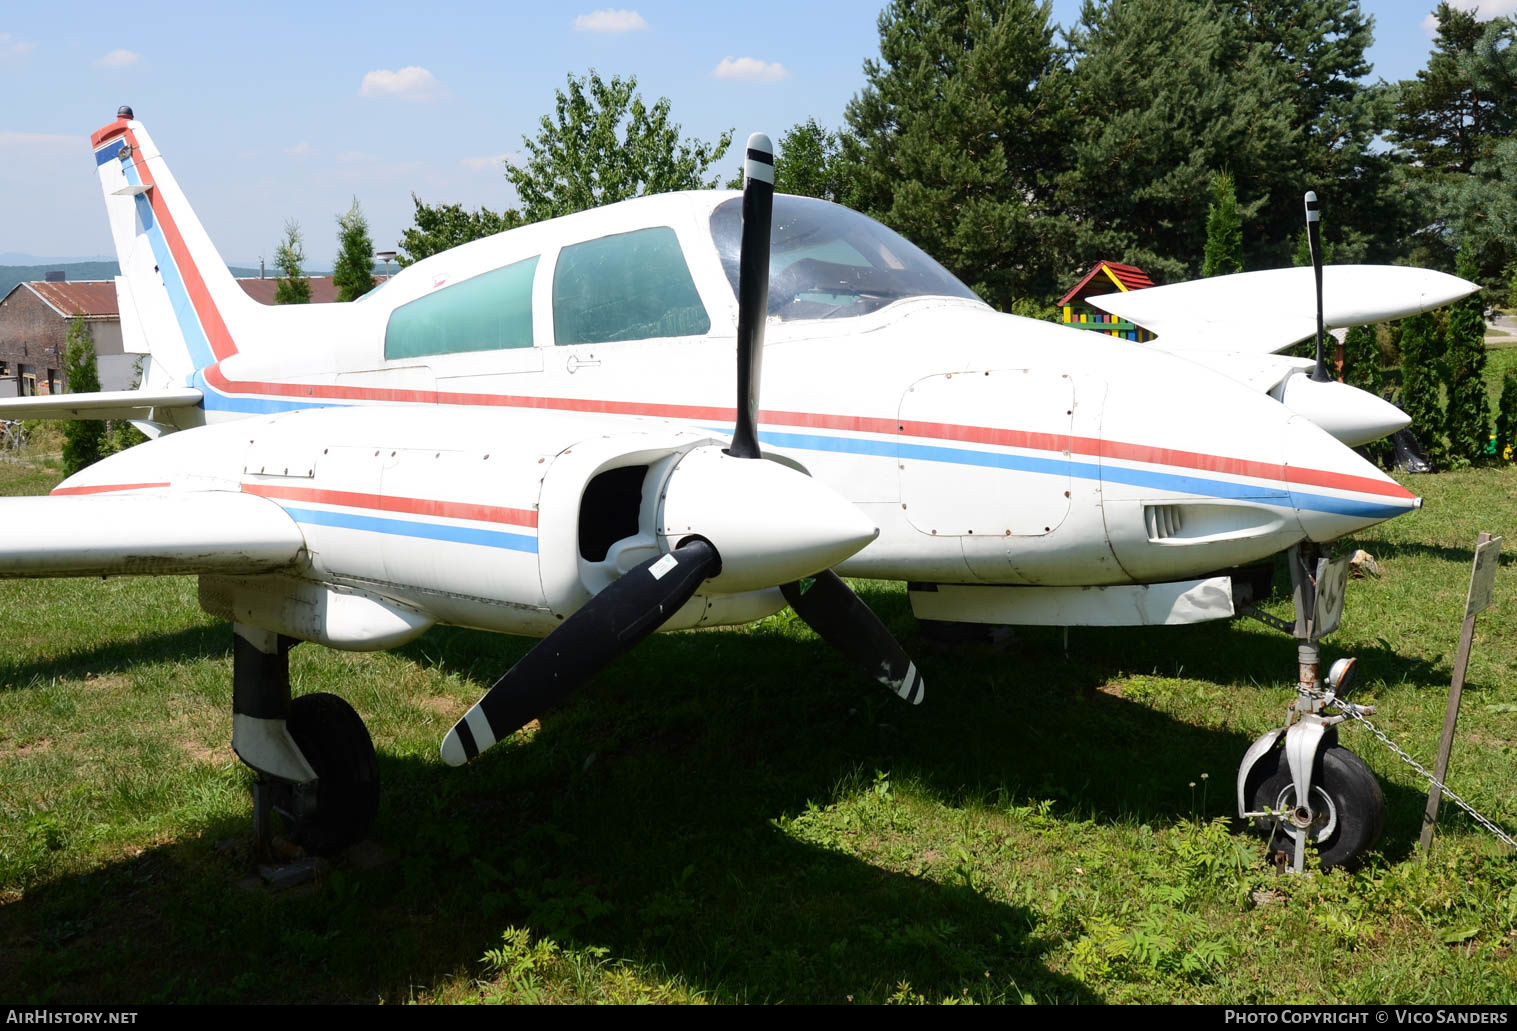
pixel 105 404
pixel 1263 312
pixel 141 532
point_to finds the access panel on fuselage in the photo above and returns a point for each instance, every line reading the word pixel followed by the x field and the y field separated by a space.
pixel 986 453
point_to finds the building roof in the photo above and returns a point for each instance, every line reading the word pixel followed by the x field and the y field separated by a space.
pixel 1107 274
pixel 96 299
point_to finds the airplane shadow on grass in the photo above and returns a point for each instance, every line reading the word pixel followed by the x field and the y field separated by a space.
pixel 192 642
pixel 641 820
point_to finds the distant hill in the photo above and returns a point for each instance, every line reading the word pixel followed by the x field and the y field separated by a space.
pixel 78 271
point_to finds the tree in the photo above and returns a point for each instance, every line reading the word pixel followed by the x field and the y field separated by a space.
pixel 1450 115
pixel 602 144
pixel 353 273
pixel 447 225
pixel 1320 46
pixel 810 163
pixel 1419 383
pixel 289 259
pixel 1224 231
pixel 1163 92
pixel 1469 407
pixel 957 136
pixel 1361 368
pixel 1506 418
pixel 83 439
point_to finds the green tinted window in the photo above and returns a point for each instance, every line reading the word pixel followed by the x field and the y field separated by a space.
pixel 625 287
pixel 486 312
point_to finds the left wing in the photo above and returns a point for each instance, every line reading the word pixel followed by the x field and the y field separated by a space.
pixel 1263 312
pixel 104 404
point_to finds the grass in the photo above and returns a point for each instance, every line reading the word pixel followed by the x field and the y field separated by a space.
pixel 734 816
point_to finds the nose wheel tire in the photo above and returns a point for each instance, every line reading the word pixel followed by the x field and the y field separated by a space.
pixel 339 808
pixel 1346 811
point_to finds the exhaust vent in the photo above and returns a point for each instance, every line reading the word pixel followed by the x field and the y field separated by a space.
pixel 1163 521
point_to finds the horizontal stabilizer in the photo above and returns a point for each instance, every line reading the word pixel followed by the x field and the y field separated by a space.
pixel 145 535
pixel 104 404
pixel 1266 311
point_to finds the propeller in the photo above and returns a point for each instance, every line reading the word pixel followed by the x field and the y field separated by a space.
pixel 1314 243
pixel 777 523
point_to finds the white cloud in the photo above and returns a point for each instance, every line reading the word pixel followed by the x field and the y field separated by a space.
pixel 10 46
pixel 117 58
pixel 610 22
pixel 750 69
pixel 1486 10
pixel 490 161
pixel 355 157
pixel 300 150
pixel 410 83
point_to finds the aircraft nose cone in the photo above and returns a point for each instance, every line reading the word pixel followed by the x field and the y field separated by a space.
pixel 1352 415
pixel 1334 491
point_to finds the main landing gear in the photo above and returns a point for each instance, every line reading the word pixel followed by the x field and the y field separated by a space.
pixel 314 759
pixel 1296 783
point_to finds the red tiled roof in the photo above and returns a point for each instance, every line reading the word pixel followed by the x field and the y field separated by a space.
pixel 262 290
pixel 95 298
pixel 1130 277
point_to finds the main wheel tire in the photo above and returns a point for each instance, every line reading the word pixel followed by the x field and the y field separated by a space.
pixel 332 737
pixel 1346 797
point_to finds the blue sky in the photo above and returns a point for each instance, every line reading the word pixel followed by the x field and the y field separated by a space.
pixel 281 110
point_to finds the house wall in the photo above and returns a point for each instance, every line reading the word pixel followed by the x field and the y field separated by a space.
pixel 31 343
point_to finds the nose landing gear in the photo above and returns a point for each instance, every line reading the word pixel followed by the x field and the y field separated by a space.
pixel 1296 783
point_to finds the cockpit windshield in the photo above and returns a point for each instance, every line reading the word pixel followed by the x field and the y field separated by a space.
pixel 827 262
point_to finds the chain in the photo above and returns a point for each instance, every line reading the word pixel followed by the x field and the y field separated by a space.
pixel 1353 710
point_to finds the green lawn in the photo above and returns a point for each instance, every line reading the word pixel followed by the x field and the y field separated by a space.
pixel 734 815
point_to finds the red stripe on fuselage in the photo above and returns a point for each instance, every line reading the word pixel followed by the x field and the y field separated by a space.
pixel 107 488
pixel 386 503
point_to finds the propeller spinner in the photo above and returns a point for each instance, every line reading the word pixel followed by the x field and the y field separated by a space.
pixel 752 504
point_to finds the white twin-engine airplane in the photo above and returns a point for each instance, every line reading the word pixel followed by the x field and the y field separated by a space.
pixel 535 434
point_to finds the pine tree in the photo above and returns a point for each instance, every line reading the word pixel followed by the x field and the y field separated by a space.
pixel 1506 418
pixel 289 259
pixel 957 136
pixel 1419 383
pixel 1224 230
pixel 1469 408
pixel 83 439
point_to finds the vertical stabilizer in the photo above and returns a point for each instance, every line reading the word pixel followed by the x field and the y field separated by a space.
pixel 174 287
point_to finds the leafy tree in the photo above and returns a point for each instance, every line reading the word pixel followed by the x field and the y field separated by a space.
pixel 1164 91
pixel 83 439
pixel 1469 407
pixel 1506 418
pixel 1479 214
pixel 448 225
pixel 602 144
pixel 353 273
pixel 1420 383
pixel 810 163
pixel 289 259
pixel 957 137
pixel 1224 231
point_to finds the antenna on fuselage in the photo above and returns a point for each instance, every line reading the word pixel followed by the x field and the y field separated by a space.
pixel 1314 242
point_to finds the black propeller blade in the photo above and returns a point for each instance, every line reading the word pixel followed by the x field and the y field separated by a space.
pixel 753 291
pixel 841 618
pixel 1314 243
pixel 628 610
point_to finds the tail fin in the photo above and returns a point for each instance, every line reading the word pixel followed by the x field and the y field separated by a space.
pixel 174 289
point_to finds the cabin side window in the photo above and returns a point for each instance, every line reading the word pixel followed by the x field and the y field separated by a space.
pixel 631 286
pixel 488 312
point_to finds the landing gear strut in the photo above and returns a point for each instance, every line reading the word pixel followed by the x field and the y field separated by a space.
pixel 1296 783
pixel 315 761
